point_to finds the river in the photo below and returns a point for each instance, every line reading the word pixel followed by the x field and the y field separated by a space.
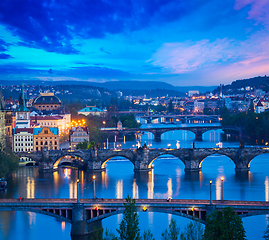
pixel 167 179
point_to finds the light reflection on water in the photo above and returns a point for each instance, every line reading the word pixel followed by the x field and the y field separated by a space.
pixel 167 179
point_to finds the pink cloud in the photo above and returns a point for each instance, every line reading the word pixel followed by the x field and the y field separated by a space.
pixel 187 56
pixel 259 10
pixel 219 61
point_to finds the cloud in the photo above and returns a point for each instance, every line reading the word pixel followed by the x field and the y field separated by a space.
pixel 5 56
pixel 188 56
pixel 221 60
pixel 52 25
pixel 259 9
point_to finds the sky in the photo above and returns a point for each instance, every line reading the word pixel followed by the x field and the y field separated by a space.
pixel 181 42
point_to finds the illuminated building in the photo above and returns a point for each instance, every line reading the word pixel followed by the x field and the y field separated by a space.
pixel 22 139
pixel 47 102
pixel 46 137
pixel 77 135
pixel 2 124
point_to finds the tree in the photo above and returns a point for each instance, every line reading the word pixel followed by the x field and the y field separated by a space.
pixel 173 231
pixel 225 224
pixel 129 226
pixel 83 145
pixel 8 162
pixel 266 233
pixel 193 231
pixel 147 235
pixel 170 106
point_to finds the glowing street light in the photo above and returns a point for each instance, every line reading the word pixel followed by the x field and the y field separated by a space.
pixel 93 177
pixel 222 178
pixel 210 192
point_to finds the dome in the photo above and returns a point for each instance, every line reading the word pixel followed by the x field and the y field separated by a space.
pixel 47 100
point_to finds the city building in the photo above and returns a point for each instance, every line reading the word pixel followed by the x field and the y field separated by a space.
pixel 92 111
pixel 60 122
pixel 47 102
pixel 259 107
pixel 77 135
pixel 22 113
pixel 2 124
pixel 22 139
pixel 46 137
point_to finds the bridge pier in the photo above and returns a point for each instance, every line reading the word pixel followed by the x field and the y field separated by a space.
pixel 80 226
pixel 157 136
pixel 198 135
pixel 192 166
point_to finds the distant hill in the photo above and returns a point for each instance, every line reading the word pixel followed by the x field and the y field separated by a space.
pixel 239 86
pixel 119 85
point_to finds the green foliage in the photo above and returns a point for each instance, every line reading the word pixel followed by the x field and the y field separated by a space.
pixel 173 231
pixel 266 233
pixel 147 235
pixel 193 231
pixel 129 121
pixel 129 226
pixel 170 106
pixel 8 163
pixel 83 145
pixel 224 225
pixel 256 126
pixel 109 235
pixel 74 107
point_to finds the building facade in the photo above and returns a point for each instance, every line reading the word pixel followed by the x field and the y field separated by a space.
pixel 23 139
pixel 47 102
pixel 2 124
pixel 92 111
pixel 46 138
pixel 77 135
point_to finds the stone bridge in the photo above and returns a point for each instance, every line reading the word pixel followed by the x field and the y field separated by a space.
pixel 143 158
pixel 157 132
pixel 85 215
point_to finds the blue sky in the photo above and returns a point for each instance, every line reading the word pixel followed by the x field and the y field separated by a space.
pixel 181 42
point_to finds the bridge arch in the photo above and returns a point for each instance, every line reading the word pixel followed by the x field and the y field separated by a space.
pixel 103 163
pixel 185 213
pixel 162 155
pixel 68 218
pixel 216 154
pixel 68 158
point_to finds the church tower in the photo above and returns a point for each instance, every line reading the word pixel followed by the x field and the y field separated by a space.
pixel 22 113
pixel 2 123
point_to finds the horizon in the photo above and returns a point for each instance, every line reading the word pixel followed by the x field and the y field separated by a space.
pixel 194 43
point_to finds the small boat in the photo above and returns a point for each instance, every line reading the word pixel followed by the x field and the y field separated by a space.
pixel 3 184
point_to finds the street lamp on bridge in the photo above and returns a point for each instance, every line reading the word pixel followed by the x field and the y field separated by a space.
pixel 93 177
pixel 222 178
pixel 210 192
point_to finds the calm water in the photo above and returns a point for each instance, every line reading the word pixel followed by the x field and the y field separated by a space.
pixel 168 179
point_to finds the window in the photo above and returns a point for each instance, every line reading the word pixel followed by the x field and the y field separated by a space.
pixel 36 143
pixel 55 143
pixel 46 132
pixel 41 143
pixel 55 148
pixel 46 143
pixel 36 148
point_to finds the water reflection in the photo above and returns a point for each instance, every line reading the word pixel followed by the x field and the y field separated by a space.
pixel 150 184
pixel 30 187
pixel 119 189
pixel 135 190
pixel 266 183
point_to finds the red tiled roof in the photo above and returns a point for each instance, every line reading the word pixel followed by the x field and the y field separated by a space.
pixel 44 118
pixel 18 130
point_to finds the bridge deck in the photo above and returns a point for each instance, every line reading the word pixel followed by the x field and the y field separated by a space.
pixel 120 202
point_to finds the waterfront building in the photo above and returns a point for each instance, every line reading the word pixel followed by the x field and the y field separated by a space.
pixel 47 102
pixel 2 124
pixel 59 122
pixel 77 135
pixel 92 111
pixel 22 113
pixel 22 139
pixel 46 137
